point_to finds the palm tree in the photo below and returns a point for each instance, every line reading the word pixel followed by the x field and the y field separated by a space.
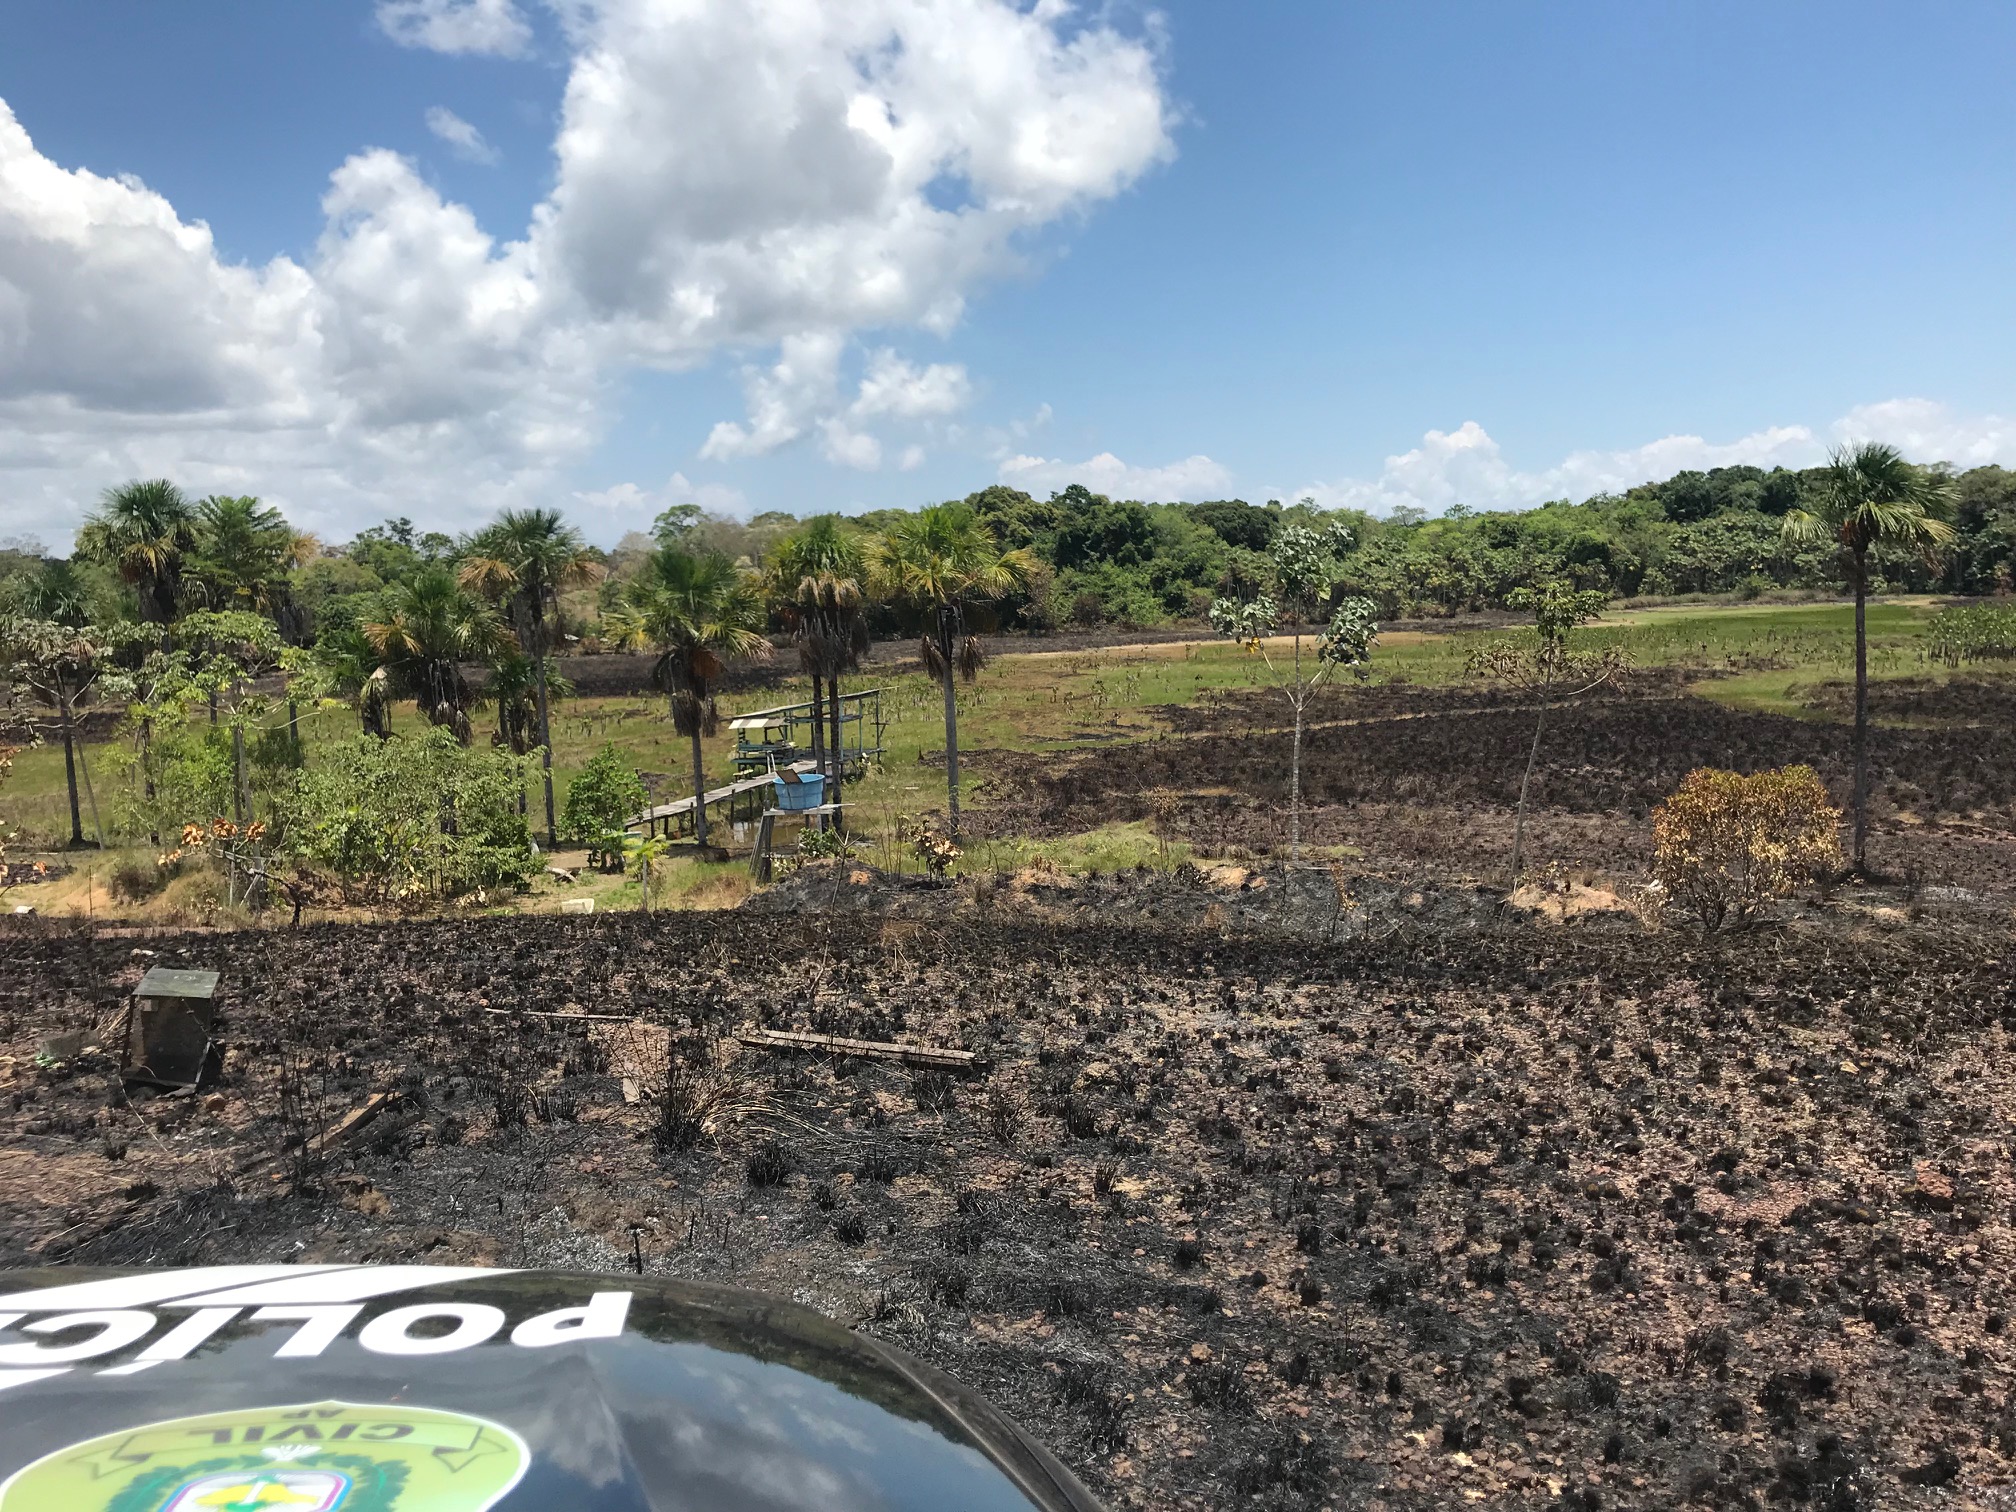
pixel 429 626
pixel 54 591
pixel 144 530
pixel 697 611
pixel 940 560
pixel 1870 496
pixel 242 554
pixel 527 557
pixel 818 575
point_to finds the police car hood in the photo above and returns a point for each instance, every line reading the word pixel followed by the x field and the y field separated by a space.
pixel 411 1388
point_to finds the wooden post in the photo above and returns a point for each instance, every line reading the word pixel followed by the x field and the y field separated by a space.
pixel 759 859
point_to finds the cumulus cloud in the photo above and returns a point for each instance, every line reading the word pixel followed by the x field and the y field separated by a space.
pixel 772 180
pixel 1466 466
pixel 1192 478
pixel 494 27
pixel 1927 430
pixel 892 386
pixel 743 173
pixel 627 506
pixel 462 138
pixel 802 392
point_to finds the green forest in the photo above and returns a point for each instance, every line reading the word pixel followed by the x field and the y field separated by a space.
pixel 1099 561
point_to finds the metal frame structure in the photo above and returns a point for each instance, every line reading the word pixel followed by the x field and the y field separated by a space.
pixel 768 740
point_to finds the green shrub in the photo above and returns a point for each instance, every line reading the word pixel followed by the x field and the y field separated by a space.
pixel 600 801
pixel 414 819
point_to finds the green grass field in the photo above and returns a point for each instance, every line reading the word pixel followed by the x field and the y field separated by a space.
pixel 1752 656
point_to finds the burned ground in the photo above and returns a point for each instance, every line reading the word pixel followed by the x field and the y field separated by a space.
pixel 1962 701
pixel 1429 777
pixel 1506 1217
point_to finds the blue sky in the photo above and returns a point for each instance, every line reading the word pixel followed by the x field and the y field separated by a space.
pixel 1383 254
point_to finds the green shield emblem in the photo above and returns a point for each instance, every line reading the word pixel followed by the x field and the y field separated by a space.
pixel 327 1457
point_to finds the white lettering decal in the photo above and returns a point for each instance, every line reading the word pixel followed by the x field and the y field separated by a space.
pixel 389 1333
pixel 182 1340
pixel 602 1318
pixel 115 1331
pixel 319 1327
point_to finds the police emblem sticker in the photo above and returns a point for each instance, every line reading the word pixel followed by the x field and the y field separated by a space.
pixel 327 1457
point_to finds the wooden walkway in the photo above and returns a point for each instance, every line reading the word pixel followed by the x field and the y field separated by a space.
pixel 664 817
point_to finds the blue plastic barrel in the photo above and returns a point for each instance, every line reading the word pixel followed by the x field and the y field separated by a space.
pixel 798 791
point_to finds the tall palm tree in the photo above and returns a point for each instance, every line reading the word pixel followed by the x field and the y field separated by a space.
pixel 941 560
pixel 428 627
pixel 527 557
pixel 243 551
pixel 1870 496
pixel 144 530
pixel 819 575
pixel 698 612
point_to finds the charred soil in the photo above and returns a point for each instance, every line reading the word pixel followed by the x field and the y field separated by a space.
pixel 1427 778
pixel 1507 1217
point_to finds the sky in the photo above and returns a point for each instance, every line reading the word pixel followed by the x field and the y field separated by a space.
pixel 433 258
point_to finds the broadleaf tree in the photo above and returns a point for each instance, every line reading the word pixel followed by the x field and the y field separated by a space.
pixel 1305 564
pixel 1548 668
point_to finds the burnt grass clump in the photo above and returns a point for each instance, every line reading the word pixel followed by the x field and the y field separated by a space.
pixel 1517 1218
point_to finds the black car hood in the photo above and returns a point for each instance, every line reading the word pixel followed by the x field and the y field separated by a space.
pixel 410 1388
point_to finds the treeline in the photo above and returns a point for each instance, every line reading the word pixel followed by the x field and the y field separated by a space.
pixel 211 623
pixel 1096 560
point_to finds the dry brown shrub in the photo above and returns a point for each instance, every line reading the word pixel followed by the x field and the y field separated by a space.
pixel 1725 844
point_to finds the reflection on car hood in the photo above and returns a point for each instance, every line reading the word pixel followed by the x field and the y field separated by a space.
pixel 412 1388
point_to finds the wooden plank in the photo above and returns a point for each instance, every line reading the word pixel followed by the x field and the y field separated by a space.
pixel 912 1055
pixel 338 1133
pixel 346 1127
pixel 612 1018
pixel 680 807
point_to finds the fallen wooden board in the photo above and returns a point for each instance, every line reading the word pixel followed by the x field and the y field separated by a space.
pixel 602 1018
pixel 346 1127
pixel 338 1133
pixel 909 1055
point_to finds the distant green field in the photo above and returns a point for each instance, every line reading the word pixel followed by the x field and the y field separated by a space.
pixel 1751 655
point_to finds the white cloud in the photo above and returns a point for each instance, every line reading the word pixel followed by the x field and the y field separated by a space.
pixel 772 178
pixel 464 139
pixel 610 511
pixel 801 393
pixel 1195 477
pixel 783 400
pixel 1927 431
pixel 493 27
pixel 847 447
pixel 911 460
pixel 737 174
pixel 892 386
pixel 1467 466
pixel 406 367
